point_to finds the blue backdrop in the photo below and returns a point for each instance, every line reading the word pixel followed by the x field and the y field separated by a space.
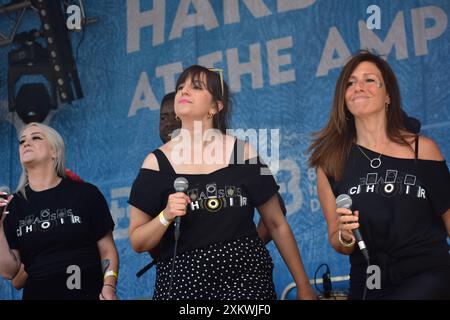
pixel 281 59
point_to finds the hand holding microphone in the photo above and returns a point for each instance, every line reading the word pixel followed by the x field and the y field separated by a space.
pixel 348 223
pixel 177 203
pixel 5 198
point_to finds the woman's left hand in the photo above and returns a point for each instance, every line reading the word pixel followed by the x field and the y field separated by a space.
pixel 108 293
pixel 306 292
pixel 4 204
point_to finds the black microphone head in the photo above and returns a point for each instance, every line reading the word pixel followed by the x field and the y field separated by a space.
pixel 4 189
pixel 344 201
pixel 180 184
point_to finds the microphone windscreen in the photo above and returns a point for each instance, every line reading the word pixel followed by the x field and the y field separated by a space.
pixel 180 184
pixel 5 189
pixel 344 201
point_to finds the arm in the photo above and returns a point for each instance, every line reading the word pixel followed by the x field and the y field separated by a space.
pixel 10 261
pixel 10 258
pixel 281 234
pixel 108 251
pixel 446 218
pixel 429 150
pixel 263 233
pixel 261 229
pixel 145 233
pixel 337 219
pixel 21 277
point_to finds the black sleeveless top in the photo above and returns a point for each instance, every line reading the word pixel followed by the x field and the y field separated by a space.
pixel 222 204
pixel 400 205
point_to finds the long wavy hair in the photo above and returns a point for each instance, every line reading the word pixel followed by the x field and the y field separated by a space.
pixel 331 146
pixel 214 81
pixel 57 144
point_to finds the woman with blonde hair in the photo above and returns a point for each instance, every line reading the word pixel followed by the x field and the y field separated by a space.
pixel 58 228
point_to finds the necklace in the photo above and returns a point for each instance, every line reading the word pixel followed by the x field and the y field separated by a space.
pixel 375 162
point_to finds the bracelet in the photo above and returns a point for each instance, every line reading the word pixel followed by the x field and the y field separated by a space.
pixel 344 243
pixel 163 220
pixel 110 285
pixel 110 273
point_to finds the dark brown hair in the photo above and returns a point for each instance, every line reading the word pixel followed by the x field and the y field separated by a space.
pixel 214 86
pixel 168 97
pixel 331 146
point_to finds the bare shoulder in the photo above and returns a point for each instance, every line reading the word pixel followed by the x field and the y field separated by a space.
pixel 429 150
pixel 229 140
pixel 320 172
pixel 322 179
pixel 151 162
pixel 327 198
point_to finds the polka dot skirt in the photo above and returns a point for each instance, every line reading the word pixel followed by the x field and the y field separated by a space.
pixel 237 270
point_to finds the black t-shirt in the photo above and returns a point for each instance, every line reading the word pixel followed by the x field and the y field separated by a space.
pixel 59 227
pixel 400 205
pixel 222 204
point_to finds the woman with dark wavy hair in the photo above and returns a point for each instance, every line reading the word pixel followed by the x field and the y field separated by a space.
pixel 398 181
pixel 218 254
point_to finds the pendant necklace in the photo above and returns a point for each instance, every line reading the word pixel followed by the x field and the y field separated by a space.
pixel 375 162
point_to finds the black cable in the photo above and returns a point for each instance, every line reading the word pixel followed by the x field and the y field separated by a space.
pixel 7 14
pixel 328 293
pixel 145 268
pixel 173 267
pixel 365 283
pixel 83 27
pixel 315 277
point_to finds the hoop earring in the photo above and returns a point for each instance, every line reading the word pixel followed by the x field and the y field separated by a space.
pixel 210 115
pixel 176 118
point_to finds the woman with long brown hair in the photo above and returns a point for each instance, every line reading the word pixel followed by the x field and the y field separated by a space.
pixel 398 182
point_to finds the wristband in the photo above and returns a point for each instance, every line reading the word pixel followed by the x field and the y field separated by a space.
pixel 110 273
pixel 163 220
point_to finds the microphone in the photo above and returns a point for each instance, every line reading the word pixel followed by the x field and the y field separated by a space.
pixel 180 185
pixel 344 201
pixel 5 192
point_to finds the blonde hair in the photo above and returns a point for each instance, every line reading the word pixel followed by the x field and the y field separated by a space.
pixel 57 144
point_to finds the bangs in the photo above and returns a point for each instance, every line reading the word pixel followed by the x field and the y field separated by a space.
pixel 195 75
pixel 208 79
